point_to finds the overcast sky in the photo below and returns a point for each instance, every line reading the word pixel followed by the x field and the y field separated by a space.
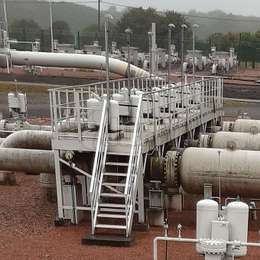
pixel 249 7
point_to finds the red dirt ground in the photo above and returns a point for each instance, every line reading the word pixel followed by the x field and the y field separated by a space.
pixel 27 231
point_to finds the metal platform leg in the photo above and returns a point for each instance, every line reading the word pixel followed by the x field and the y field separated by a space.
pixel 58 184
pixel 140 191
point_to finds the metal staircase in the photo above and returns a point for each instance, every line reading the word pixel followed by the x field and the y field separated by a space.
pixel 114 182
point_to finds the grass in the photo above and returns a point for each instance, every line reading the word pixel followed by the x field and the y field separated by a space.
pixel 28 88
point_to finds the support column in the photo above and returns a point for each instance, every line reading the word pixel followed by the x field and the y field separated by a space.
pixel 141 216
pixel 58 184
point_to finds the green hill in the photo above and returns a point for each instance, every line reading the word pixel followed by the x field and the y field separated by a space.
pixel 77 16
pixel 80 16
pixel 220 22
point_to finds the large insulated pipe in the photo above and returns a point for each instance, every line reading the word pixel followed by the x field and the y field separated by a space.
pixel 23 160
pixel 242 125
pixel 28 139
pixel 231 140
pixel 6 126
pixel 230 172
pixel 71 60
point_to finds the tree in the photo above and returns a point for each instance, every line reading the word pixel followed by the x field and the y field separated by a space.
pixel 140 20
pixel 24 30
pixel 61 32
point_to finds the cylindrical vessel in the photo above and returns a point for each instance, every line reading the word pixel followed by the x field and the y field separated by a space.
pixel 207 211
pixel 230 172
pixel 247 125
pixel 242 141
pixel 134 104
pixel 124 91
pixel 242 125
pixel 114 116
pixel 237 215
pixel 94 112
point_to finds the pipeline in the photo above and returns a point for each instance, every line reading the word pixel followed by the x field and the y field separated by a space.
pixel 24 160
pixel 68 60
pixel 234 172
pixel 6 126
pixel 28 139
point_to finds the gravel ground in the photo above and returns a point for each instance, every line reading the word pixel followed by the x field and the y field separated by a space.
pixel 27 231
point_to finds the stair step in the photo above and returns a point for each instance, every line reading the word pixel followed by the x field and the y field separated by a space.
pixel 124 164
pixel 110 226
pixel 116 174
pixel 111 205
pixel 113 184
pixel 104 215
pixel 112 210
pixel 115 195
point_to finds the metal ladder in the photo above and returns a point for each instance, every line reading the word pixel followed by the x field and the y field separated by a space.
pixel 113 206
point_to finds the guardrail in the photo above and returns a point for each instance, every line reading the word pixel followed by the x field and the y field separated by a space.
pixel 99 164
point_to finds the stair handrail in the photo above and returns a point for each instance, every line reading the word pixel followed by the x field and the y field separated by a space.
pixel 99 163
pixel 133 169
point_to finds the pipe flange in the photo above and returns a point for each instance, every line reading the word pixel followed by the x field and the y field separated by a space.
pixel 171 173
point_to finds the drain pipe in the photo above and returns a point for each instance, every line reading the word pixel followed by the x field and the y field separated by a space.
pixel 28 139
pixel 24 160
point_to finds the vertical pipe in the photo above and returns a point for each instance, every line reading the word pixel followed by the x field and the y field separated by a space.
pixel 99 29
pixel 193 52
pixel 169 53
pixel 51 25
pixel 5 17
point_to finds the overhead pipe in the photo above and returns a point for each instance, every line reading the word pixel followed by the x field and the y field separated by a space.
pixel 25 160
pixel 68 60
pixel 28 139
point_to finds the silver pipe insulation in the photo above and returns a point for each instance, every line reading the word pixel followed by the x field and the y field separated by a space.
pixel 28 139
pixel 68 60
pixel 6 126
pixel 24 160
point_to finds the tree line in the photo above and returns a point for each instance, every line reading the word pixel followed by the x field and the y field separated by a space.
pixel 246 44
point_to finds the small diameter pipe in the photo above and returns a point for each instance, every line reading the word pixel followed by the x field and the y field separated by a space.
pixel 192 240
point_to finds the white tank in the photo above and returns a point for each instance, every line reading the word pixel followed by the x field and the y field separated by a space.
pixel 207 211
pixel 236 171
pixel 247 125
pixel 134 103
pixel 197 93
pixel 214 69
pixel 124 91
pixel 186 96
pixel 157 102
pixel 94 112
pixel 240 141
pixel 164 97
pixel 114 116
pixel 118 97
pixel 237 215
pixel 17 101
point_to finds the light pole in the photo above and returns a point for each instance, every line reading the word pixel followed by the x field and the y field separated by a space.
pixel 128 32
pixel 150 58
pixel 171 27
pixel 107 18
pixel 195 27
pixel 51 25
pixel 5 17
pixel 183 27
